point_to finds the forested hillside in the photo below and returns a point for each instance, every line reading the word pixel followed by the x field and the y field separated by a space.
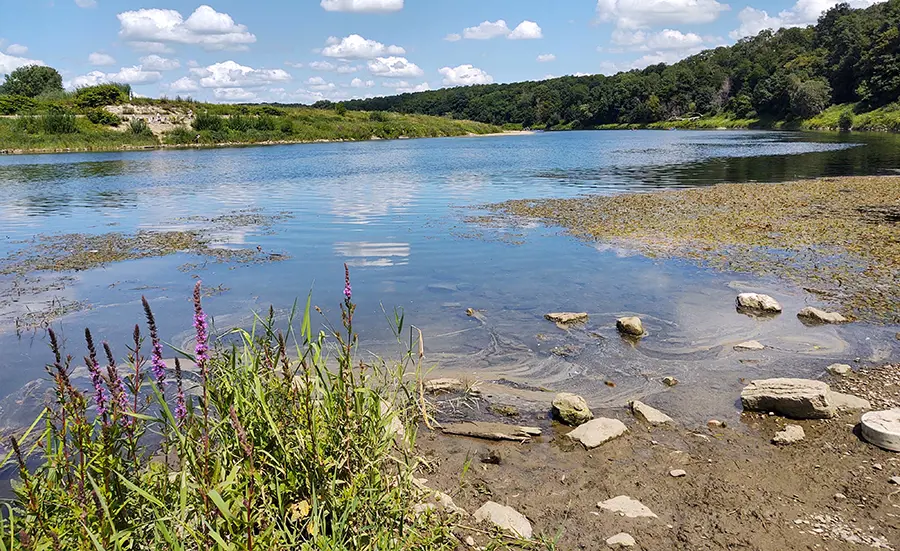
pixel 850 57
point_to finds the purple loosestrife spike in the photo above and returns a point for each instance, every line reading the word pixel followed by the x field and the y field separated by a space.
pixel 116 387
pixel 180 406
pixel 200 325
pixel 348 291
pixel 97 381
pixel 157 365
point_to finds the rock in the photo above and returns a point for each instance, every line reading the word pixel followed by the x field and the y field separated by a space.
pixel 565 318
pixel 790 435
pixel 444 386
pixel 839 370
pixel 839 497
pixel 492 431
pixel 848 402
pixel 571 409
pixel 754 302
pixel 894 480
pixel 394 425
pixel 627 506
pixel 470 541
pixel 630 326
pixel 439 501
pixel 505 518
pixel 504 410
pixel 648 414
pixel 678 473
pixel 621 540
pixel 882 428
pixel 795 398
pixel 597 432
pixel 815 315
pixel 669 381
pixel 715 424
pixel 750 345
pixel 491 457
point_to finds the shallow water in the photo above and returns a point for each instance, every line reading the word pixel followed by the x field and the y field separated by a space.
pixel 394 211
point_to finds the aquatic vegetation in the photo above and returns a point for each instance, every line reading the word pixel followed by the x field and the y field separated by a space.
pixel 838 237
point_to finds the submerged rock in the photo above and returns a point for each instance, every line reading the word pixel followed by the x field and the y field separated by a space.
pixel 565 318
pixel 648 414
pixel 627 506
pixel 790 435
pixel 815 315
pixel 630 326
pixel 795 398
pixel 621 540
pixel 571 409
pixel 597 432
pixel 505 518
pixel 750 345
pixel 669 381
pixel 882 428
pixel 492 431
pixel 754 302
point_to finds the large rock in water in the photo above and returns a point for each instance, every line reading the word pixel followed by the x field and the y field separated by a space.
pixel 505 518
pixel 648 414
pixel 815 315
pixel 630 326
pixel 882 428
pixel 565 318
pixel 597 432
pixel 794 398
pixel 571 409
pixel 754 302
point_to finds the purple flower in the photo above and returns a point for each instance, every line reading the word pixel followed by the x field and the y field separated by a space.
pixel 157 365
pixel 348 291
pixel 180 405
pixel 97 380
pixel 115 383
pixel 201 351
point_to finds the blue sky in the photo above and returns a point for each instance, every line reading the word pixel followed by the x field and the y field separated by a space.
pixel 307 50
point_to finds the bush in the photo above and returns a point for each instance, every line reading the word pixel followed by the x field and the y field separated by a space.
pixel 180 135
pixel 207 121
pixel 340 109
pixel 58 121
pixel 100 96
pixel 239 123
pixel 139 127
pixel 103 117
pixel 16 105
pixel 378 116
pixel 845 122
pixel 265 123
pixel 287 127
pixel 271 451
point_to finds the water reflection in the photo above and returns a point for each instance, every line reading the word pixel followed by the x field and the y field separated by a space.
pixel 374 254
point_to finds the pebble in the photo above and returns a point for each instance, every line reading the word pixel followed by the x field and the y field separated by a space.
pixel 895 480
pixel 715 424
pixel 839 370
pixel 877 466
pixel 839 496
pixel 470 541
pixel 670 381
pixel 626 506
pixel 621 540
pixel 678 473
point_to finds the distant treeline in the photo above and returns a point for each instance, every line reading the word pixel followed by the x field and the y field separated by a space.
pixel 849 57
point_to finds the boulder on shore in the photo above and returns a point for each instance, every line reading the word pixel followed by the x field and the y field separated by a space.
pixel 795 398
pixel 790 435
pixel 597 432
pixel 492 431
pixel 565 318
pixel 649 414
pixel 839 370
pixel 755 302
pixel 505 518
pixel 630 326
pixel 571 409
pixel 815 315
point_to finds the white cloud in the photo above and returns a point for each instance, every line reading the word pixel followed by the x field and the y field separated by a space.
pixel 331 67
pixel 294 65
pixel 152 29
pixel 804 12
pixel 486 30
pixel 154 62
pixel 184 84
pixel 667 39
pixel 234 94
pixel 527 30
pixel 360 83
pixel 9 63
pixel 403 87
pixel 229 74
pixel 91 79
pixel 16 49
pixel 453 37
pixel 320 84
pixel 394 67
pixel 86 3
pixel 100 59
pixel 636 14
pixel 357 47
pixel 363 5
pixel 135 75
pixel 465 75
pixel 668 57
pixel 346 69
pixel 546 58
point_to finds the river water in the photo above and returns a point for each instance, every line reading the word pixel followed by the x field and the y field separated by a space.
pixel 395 211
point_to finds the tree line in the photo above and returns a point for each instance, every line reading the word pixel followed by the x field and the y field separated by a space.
pixel 851 56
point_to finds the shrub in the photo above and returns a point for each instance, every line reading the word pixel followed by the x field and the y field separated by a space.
pixel 180 135
pixel 207 121
pixel 16 105
pixel 340 109
pixel 845 122
pixel 378 116
pixel 287 127
pixel 265 123
pixel 58 121
pixel 139 127
pixel 100 96
pixel 239 123
pixel 103 117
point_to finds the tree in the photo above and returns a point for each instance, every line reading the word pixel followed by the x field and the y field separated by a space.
pixel 809 98
pixel 32 81
pixel 100 95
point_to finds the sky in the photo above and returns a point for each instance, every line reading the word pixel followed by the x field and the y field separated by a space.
pixel 310 50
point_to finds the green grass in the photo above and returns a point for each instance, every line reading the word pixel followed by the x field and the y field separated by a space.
pixel 89 137
pixel 884 119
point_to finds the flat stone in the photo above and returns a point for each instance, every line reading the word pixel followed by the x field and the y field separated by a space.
pixel 628 507
pixel 597 432
pixel 567 317
pixel 757 302
pixel 882 428
pixel 839 370
pixel 505 518
pixel 790 435
pixel 820 316
pixel 894 480
pixel 621 540
pixel 631 326
pixel 492 431
pixel 750 345
pixel 848 402
pixel 571 409
pixel 648 414
pixel 444 385
pixel 678 473
pixel 794 398
pixel 438 501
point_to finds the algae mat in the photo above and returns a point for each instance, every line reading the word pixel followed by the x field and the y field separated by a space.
pixel 838 238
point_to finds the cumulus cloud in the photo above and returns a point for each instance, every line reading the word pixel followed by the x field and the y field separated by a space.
pixel 465 75
pixel 184 84
pixel 804 12
pixel 154 62
pixel 363 5
pixel 637 14
pixel 527 30
pixel 135 75
pixel 100 59
pixel 320 84
pixel 86 3
pixel 357 47
pixel 360 83
pixel 404 87
pixel 546 58
pixel 394 67
pixel 9 63
pixel 230 74
pixel 331 67
pixel 234 94
pixel 153 29
pixel 667 39
pixel 453 37
pixel 17 49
